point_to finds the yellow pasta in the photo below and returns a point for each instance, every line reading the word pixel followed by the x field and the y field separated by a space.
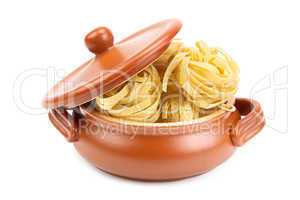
pixel 207 75
pixel 137 100
pixel 176 107
pixel 194 82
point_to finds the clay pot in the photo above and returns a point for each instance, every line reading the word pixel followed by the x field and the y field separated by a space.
pixel 159 151
pixel 146 151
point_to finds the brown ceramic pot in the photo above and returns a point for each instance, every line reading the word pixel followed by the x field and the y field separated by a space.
pixel 146 151
pixel 159 151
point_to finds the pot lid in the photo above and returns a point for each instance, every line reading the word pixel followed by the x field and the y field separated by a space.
pixel 112 64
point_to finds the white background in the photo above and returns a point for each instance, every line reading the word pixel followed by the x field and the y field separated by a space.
pixel 37 163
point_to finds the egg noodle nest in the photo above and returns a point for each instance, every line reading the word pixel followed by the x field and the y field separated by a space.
pixel 184 83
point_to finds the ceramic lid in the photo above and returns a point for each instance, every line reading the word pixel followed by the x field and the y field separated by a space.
pixel 112 64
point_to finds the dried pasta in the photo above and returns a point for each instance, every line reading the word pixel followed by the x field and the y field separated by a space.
pixel 177 108
pixel 137 100
pixel 207 75
pixel 184 83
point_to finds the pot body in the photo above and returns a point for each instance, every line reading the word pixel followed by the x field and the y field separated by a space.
pixel 154 156
pixel 162 152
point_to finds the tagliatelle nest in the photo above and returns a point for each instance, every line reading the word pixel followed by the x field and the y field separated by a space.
pixel 194 82
pixel 136 100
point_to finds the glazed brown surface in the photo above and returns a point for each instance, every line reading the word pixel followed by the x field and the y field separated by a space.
pixel 112 65
pixel 99 39
pixel 163 152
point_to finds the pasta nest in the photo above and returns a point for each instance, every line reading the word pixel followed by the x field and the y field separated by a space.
pixel 136 100
pixel 207 75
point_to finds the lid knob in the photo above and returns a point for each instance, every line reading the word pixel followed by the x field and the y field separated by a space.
pixel 99 39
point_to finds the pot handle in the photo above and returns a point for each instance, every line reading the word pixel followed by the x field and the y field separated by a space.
pixel 251 123
pixel 65 123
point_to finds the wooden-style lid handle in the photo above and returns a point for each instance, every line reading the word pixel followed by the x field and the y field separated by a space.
pixel 99 39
